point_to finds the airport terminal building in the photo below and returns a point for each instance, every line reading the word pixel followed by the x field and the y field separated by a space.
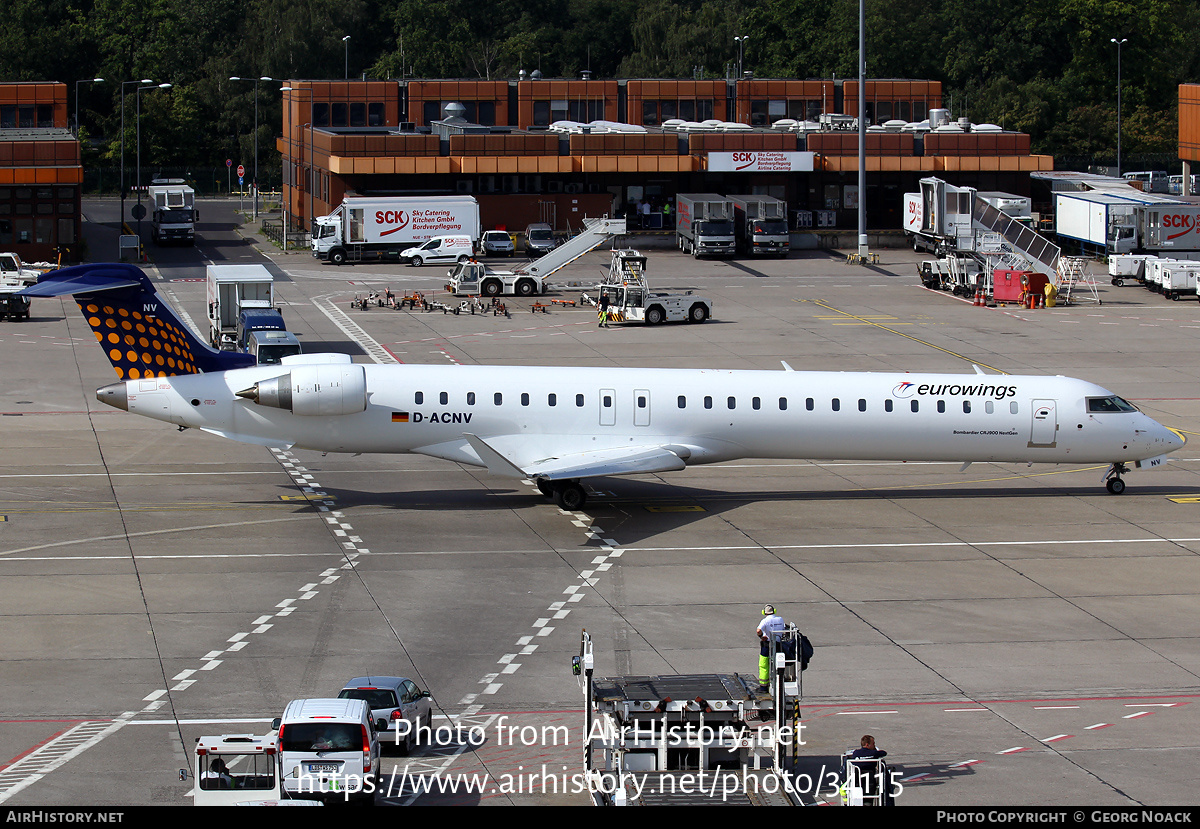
pixel 534 150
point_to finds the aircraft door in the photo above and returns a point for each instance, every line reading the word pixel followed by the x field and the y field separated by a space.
pixel 608 407
pixel 1045 423
pixel 641 407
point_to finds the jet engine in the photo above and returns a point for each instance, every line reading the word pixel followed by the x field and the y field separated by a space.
pixel 313 391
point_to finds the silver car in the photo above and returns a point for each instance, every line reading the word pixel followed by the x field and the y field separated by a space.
pixel 392 699
pixel 497 243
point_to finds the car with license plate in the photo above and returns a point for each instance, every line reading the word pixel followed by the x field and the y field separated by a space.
pixel 329 750
pixel 393 700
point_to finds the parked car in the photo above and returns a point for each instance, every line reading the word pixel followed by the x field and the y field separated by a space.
pixel 328 748
pixel 497 243
pixel 539 239
pixel 392 699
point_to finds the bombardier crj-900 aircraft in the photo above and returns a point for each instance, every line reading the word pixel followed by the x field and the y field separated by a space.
pixel 560 425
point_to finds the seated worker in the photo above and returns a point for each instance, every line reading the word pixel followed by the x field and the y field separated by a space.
pixel 867 749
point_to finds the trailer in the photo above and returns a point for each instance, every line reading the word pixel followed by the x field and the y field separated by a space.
pixel 1129 221
pixel 692 739
pixel 373 228
pixel 175 215
pixel 760 225
pixel 631 300
pixel 231 290
pixel 475 278
pixel 704 224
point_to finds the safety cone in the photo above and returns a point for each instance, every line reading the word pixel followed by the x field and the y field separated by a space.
pixel 979 297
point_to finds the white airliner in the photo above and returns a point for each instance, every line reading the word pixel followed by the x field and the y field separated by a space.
pixel 560 425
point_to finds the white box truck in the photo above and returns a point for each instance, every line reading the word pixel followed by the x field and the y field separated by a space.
pixel 365 228
pixel 231 290
pixel 175 215
pixel 704 224
pixel 761 227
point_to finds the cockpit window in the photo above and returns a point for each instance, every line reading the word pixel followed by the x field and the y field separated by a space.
pixel 1101 405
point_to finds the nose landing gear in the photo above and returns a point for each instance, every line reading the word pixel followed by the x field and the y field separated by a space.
pixel 1112 479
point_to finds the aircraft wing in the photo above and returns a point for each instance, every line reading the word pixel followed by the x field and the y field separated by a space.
pixel 622 460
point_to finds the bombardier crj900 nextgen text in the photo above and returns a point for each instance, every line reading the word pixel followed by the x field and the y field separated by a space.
pixel 558 426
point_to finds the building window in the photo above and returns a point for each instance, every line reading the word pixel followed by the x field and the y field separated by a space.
pixel 649 113
pixel 375 114
pixel 320 114
pixel 358 114
pixel 337 114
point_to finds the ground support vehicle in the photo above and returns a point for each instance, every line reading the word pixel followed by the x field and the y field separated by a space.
pixel 631 300
pixel 15 276
pixel 474 278
pixel 697 739
pixel 962 274
pixel 760 224
pixel 239 770
pixel 366 228
pixel 231 290
pixel 329 749
pixel 402 712
pixel 175 215
pixel 704 225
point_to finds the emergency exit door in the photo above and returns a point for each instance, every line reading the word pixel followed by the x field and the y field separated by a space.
pixel 608 407
pixel 1045 423
pixel 641 407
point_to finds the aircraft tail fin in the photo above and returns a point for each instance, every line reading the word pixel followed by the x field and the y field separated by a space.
pixel 139 332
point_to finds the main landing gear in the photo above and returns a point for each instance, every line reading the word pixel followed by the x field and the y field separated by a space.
pixel 569 495
pixel 1113 480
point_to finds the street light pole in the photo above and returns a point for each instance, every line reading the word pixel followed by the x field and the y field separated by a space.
pixel 862 129
pixel 122 188
pixel 346 43
pixel 255 181
pixel 138 98
pixel 741 41
pixel 1119 42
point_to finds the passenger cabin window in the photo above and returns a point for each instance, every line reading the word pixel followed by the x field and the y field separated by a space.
pixel 887 405
pixel 552 399
pixel 732 403
pixel 989 406
pixel 862 405
pixel 783 404
pixel 941 407
pixel 837 405
pixel 916 406
pixel 444 398
pixel 755 403
pixel 524 398
pixel 579 400
pixel 607 402
pixel 966 407
pixel 470 398
pixel 1012 407
pixel 641 401
pixel 708 402
pixel 809 403
pixel 419 397
pixel 682 402
pixel 499 398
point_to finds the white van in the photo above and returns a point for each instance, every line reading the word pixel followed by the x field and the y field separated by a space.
pixel 328 749
pixel 440 249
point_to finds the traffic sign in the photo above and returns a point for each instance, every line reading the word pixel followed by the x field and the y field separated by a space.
pixel 229 162
pixel 241 170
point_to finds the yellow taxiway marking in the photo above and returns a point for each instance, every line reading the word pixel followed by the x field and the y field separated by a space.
pixel 308 496
pixel 1185 499
pixel 868 321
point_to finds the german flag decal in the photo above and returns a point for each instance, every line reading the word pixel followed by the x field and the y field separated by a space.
pixel 399 417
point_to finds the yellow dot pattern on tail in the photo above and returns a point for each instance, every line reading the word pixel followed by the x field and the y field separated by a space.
pixel 139 344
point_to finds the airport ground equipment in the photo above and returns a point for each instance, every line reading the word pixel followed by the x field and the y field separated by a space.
pixel 15 276
pixel 698 739
pixel 366 228
pixel 475 278
pixel 760 225
pixel 175 215
pixel 631 300
pixel 231 290
pixel 866 781
pixel 1129 221
pixel 1122 266
pixel 233 769
pixel 704 224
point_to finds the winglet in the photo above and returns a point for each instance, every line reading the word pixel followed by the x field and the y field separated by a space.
pixel 786 367
pixel 978 370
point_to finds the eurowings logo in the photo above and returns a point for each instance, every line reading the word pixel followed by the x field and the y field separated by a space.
pixel 903 390
pixel 399 218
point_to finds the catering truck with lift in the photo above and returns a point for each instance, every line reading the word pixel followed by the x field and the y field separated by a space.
pixel 368 228
pixel 760 224
pixel 175 216
pixel 474 278
pixel 695 739
pixel 704 224
pixel 631 300
pixel 233 289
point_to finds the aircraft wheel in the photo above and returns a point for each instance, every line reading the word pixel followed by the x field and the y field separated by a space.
pixel 1115 485
pixel 545 487
pixel 570 495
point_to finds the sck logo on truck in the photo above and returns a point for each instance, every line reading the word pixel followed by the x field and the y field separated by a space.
pixel 391 217
pixel 1188 223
